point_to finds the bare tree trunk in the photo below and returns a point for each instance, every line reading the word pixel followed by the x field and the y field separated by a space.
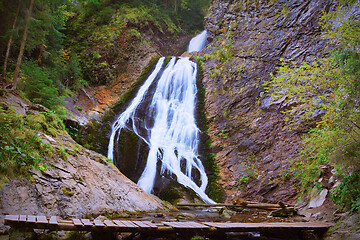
pixel 22 46
pixel 10 38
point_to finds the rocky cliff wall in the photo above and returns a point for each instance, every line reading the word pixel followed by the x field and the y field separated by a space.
pixel 252 143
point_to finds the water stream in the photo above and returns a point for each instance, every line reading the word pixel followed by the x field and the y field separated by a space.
pixel 169 128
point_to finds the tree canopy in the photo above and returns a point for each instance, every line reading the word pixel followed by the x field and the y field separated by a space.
pixel 59 45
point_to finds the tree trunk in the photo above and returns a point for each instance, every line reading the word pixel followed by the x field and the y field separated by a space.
pixel 10 38
pixel 22 46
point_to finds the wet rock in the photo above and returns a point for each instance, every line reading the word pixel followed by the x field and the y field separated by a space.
pixel 317 198
pixel 15 101
pixel 185 216
pixel 227 213
pixel 37 108
pixel 268 104
pixel 285 212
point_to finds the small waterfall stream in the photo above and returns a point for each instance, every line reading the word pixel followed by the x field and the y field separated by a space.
pixel 169 128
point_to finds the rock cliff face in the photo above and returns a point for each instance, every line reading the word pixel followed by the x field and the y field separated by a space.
pixel 252 143
pixel 76 183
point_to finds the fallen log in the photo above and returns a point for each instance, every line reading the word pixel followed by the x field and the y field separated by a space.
pixel 265 206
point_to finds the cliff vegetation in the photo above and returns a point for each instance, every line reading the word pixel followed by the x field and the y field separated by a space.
pixel 329 86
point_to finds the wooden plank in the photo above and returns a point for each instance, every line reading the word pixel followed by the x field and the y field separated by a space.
pixel 232 225
pixel 86 222
pixel 99 223
pixel 31 219
pixel 174 224
pixel 197 225
pixel 77 222
pixel 11 218
pixel 110 223
pixel 120 224
pixel 150 224
pixel 22 218
pixel 41 220
pixel 129 224
pixel 185 225
pixel 182 225
pixel 141 224
pixel 53 220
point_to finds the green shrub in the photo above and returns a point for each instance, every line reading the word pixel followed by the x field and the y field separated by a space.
pixel 38 86
pixel 347 193
pixel 20 147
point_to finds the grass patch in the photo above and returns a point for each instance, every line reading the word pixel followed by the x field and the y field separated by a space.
pixel 21 148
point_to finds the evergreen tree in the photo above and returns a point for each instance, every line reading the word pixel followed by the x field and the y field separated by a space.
pixel 22 46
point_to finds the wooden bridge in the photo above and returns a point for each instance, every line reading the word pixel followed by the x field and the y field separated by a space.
pixel 30 222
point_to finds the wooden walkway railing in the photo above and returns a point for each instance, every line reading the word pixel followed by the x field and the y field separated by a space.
pixel 30 222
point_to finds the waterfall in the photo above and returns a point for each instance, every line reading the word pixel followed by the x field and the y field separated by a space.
pixel 198 42
pixel 170 128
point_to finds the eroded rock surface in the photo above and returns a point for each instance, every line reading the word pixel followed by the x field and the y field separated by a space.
pixel 251 141
pixel 77 183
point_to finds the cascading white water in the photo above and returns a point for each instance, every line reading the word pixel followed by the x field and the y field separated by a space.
pixel 198 42
pixel 172 136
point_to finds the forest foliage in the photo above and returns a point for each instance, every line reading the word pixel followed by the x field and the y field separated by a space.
pixel 67 45
pixel 328 87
